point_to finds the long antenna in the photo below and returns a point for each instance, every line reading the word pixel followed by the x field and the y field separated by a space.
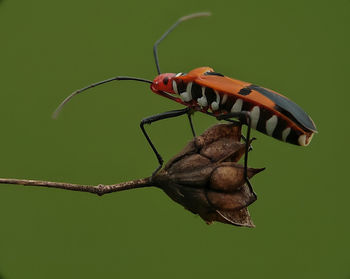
pixel 184 18
pixel 66 100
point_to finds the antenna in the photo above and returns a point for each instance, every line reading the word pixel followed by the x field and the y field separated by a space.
pixel 184 18
pixel 155 52
pixel 66 100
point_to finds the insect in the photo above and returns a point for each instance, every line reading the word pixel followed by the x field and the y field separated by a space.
pixel 207 91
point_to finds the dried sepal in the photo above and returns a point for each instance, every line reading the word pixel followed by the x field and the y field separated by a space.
pixel 207 180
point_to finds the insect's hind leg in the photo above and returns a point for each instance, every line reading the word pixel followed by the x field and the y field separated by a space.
pixel 154 118
pixel 246 115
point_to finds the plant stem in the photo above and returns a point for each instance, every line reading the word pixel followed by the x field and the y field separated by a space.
pixel 98 190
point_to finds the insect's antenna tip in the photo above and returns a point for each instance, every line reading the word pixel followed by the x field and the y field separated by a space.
pixel 54 115
pixel 58 110
pixel 200 14
pixel 65 101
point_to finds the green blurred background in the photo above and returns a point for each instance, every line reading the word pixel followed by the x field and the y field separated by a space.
pixel 50 48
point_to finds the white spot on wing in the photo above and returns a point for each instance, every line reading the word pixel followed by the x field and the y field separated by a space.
pixel 271 125
pixel 237 107
pixel 254 116
pixel 178 74
pixel 175 87
pixel 285 133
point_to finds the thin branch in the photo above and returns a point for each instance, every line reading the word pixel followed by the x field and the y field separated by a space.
pixel 98 190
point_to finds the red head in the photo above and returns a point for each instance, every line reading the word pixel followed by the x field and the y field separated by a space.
pixel 163 82
pixel 163 85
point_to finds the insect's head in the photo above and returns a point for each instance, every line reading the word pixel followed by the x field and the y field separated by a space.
pixel 163 85
pixel 163 82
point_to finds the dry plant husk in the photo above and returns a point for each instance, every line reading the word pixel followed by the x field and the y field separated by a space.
pixel 206 179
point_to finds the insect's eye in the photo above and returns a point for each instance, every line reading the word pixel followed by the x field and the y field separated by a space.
pixel 165 80
pixel 213 74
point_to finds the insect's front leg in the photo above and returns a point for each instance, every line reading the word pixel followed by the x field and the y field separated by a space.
pixel 157 117
pixel 190 112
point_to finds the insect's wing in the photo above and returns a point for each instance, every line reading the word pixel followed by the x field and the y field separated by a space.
pixel 258 96
pixel 234 87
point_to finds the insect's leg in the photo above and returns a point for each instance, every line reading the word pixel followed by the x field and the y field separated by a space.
pixel 245 140
pixel 245 114
pixel 189 114
pixel 154 118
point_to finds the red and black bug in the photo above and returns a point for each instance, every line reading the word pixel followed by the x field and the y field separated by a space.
pixel 207 91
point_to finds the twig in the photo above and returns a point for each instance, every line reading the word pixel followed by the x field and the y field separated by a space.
pixel 98 190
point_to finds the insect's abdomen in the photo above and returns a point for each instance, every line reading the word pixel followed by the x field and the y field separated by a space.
pixel 277 124
pixel 266 121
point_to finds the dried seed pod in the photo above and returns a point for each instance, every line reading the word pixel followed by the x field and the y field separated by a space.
pixel 189 162
pixel 206 179
pixel 232 200
pixel 217 150
pixel 229 177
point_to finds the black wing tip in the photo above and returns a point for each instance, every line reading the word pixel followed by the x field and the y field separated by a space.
pixel 313 128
